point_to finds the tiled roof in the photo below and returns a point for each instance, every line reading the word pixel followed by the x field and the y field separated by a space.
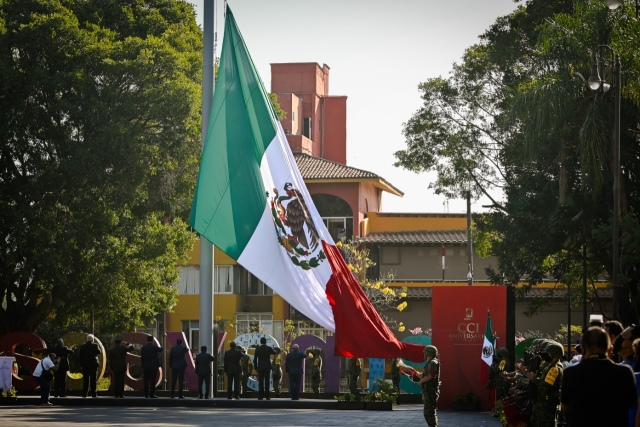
pixel 540 293
pixel 421 237
pixel 314 168
pixel 561 293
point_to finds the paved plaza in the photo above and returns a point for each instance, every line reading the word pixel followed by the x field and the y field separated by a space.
pixel 403 415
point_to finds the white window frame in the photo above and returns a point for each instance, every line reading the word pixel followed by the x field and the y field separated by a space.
pixel 312 328
pixel 247 323
pixel 228 287
pixel 192 331
pixel 345 219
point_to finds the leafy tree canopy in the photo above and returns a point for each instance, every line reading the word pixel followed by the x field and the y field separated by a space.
pixel 100 130
pixel 516 116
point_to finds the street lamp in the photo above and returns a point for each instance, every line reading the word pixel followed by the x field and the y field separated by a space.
pixel 597 83
pixel 613 4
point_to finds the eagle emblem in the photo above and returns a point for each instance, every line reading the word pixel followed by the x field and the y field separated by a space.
pixel 295 228
pixel 487 351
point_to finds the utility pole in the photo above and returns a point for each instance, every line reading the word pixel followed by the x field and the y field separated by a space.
pixel 469 241
pixel 206 248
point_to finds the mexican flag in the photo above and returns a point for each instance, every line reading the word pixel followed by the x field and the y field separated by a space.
pixel 487 351
pixel 251 202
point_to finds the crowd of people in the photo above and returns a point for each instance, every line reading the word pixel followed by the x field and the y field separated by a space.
pixel 267 362
pixel 238 366
pixel 596 387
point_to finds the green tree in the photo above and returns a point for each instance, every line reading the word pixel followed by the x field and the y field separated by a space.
pixel 100 130
pixel 276 106
pixel 516 115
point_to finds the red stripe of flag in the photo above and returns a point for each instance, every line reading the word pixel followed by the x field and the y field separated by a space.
pixel 360 331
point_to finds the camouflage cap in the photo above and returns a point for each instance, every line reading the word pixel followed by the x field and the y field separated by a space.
pixel 503 352
pixel 430 350
pixel 555 349
pixel 542 345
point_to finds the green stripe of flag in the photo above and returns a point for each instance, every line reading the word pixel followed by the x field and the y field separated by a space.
pixel 230 196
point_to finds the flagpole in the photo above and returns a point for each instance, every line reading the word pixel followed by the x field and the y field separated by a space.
pixel 206 248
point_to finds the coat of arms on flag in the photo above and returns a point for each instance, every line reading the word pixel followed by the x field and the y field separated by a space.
pixel 295 229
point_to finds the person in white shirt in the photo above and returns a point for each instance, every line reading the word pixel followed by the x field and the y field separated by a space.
pixel 43 377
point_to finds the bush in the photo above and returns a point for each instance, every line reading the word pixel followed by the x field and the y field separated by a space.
pixel 465 398
pixel 386 393
pixel 347 397
pixel 103 384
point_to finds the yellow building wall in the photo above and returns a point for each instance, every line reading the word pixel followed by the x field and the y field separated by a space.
pixel 278 307
pixel 413 222
pixel 187 308
pixel 544 285
pixel 225 306
pixel 219 257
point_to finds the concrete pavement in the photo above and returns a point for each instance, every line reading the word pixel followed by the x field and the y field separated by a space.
pixel 401 416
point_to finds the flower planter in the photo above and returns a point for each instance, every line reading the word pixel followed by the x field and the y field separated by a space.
pixel 466 406
pixel 379 406
pixel 357 406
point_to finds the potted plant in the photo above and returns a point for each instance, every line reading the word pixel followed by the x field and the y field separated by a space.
pixel 499 410
pixel 466 402
pixel 348 401
pixel 9 398
pixel 383 399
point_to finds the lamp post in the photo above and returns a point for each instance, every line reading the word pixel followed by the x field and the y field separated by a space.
pixel 597 83
pixel 613 4
pixel 469 241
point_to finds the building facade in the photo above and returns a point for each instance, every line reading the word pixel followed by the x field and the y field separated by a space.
pixel 420 250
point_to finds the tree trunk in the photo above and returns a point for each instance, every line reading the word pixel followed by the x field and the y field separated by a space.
pixel 562 175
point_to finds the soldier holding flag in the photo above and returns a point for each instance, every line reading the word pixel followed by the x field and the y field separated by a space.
pixel 430 383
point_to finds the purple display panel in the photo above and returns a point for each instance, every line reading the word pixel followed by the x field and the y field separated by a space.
pixel 330 362
pixel 190 377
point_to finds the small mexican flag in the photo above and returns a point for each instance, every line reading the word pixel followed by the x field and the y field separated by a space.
pixel 251 202
pixel 487 351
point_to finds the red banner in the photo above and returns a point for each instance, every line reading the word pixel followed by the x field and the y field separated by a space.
pixel 458 320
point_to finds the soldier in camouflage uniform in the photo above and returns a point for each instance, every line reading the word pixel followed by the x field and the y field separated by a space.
pixel 500 366
pixel 247 368
pixel 547 386
pixel 430 384
pixel 276 372
pixel 354 372
pixel 316 372
pixel 395 374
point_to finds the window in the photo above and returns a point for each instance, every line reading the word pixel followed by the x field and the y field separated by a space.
pixel 189 282
pixel 223 279
pixel 226 279
pixel 339 227
pixel 278 331
pixel 254 323
pixel 256 286
pixel 336 215
pixel 191 329
pixel 311 328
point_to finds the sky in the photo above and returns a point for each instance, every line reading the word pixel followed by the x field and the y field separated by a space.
pixel 378 52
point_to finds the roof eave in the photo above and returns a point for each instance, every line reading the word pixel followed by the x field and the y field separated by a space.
pixel 377 182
